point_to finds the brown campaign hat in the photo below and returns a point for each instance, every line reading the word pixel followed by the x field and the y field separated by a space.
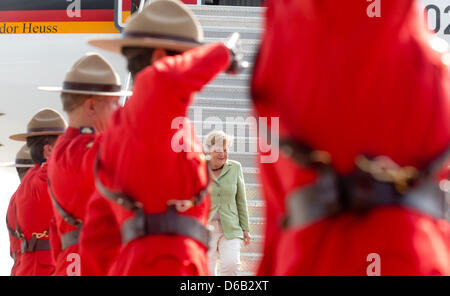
pixel 167 24
pixel 92 74
pixel 23 159
pixel 46 122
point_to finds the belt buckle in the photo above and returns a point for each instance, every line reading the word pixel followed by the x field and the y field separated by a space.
pixel 181 205
pixel 40 235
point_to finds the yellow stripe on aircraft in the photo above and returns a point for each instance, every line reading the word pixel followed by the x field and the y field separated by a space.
pixel 59 27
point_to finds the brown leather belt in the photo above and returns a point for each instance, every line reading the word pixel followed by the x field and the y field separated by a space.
pixel 34 244
pixel 332 195
pixel 358 192
pixel 168 223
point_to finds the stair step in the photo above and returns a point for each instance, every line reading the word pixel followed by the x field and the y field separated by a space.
pixel 238 141
pixel 242 80
pixel 256 228
pixel 254 210
pixel 222 102
pixel 254 246
pixel 230 21
pixel 221 11
pixel 250 177
pixel 225 32
pixel 238 126
pixel 247 45
pixel 224 91
pixel 249 263
pixel 198 113
pixel 253 193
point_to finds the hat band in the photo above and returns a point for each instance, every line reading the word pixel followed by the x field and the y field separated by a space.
pixel 46 129
pixel 159 36
pixel 24 161
pixel 67 85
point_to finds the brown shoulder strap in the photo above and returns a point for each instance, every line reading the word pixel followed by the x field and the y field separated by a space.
pixel 118 197
pixel 10 230
pixel 18 229
pixel 128 202
pixel 69 218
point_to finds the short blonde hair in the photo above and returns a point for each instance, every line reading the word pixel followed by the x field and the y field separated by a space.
pixel 72 101
pixel 215 138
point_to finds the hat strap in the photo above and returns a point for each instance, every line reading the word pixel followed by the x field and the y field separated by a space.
pixel 159 36
pixel 98 87
pixel 24 161
pixel 46 129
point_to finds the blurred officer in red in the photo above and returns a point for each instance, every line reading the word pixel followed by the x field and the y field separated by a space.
pixel 90 93
pixel 363 104
pixel 33 204
pixel 151 166
pixel 23 163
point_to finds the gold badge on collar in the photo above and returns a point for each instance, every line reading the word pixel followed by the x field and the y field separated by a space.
pixel 90 144
pixel 86 130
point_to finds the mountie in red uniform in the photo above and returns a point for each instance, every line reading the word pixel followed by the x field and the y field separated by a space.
pixel 70 172
pixel 150 154
pixel 34 211
pixel 350 85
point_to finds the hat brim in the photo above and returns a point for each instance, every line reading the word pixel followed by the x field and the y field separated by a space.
pixel 15 165
pixel 23 137
pixel 116 44
pixel 85 92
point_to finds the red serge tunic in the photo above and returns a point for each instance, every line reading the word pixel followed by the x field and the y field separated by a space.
pixel 349 84
pixel 13 240
pixel 150 153
pixel 70 171
pixel 34 211
pixel 100 237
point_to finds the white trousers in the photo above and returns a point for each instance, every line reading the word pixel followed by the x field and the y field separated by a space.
pixel 226 251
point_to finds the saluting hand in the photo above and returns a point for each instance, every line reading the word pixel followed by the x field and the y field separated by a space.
pixel 237 63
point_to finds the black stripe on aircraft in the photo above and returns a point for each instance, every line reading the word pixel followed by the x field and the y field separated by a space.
pixel 15 5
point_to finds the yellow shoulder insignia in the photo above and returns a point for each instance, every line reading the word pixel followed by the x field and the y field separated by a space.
pixel 87 130
pixel 90 144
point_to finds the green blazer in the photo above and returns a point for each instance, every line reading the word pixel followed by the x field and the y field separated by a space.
pixel 228 198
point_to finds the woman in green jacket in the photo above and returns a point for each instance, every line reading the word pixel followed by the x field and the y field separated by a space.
pixel 228 218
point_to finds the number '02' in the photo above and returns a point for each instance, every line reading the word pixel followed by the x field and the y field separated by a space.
pixel 437 11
